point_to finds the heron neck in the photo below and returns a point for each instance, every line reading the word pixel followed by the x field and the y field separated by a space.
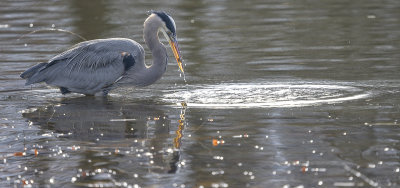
pixel 154 72
pixel 150 33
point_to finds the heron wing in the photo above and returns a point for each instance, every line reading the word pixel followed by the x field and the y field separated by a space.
pixel 89 66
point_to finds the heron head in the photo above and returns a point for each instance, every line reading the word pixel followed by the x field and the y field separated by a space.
pixel 169 30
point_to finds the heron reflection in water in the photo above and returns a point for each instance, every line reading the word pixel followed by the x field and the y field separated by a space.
pixel 113 124
pixel 95 67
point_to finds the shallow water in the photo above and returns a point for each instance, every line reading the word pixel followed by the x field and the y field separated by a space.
pixel 278 94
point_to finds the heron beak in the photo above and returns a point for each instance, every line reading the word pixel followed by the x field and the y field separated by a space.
pixel 174 46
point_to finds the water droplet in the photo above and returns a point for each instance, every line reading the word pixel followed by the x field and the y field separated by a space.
pixel 51 180
pixel 31 25
pixel 320 182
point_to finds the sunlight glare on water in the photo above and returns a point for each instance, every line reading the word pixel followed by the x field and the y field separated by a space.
pixel 248 95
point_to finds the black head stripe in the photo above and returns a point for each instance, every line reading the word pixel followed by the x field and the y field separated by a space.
pixel 168 22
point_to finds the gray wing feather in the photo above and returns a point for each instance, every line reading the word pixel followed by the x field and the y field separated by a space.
pixel 88 66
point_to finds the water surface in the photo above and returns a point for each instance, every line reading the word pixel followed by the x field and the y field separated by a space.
pixel 278 94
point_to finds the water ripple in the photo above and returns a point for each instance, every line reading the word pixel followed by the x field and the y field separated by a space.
pixel 250 95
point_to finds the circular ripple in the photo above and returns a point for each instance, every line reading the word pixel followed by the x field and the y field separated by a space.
pixel 265 95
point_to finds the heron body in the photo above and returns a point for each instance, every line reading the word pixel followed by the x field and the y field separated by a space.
pixel 95 67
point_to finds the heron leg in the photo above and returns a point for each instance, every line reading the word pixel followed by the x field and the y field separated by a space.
pixel 64 90
pixel 106 90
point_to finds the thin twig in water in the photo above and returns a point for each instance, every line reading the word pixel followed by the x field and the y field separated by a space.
pixel 53 29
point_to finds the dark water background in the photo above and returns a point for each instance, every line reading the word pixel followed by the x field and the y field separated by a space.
pixel 280 94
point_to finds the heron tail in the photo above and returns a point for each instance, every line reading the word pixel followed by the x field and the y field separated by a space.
pixel 28 74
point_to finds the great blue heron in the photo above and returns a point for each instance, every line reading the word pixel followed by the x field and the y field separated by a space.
pixel 95 67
